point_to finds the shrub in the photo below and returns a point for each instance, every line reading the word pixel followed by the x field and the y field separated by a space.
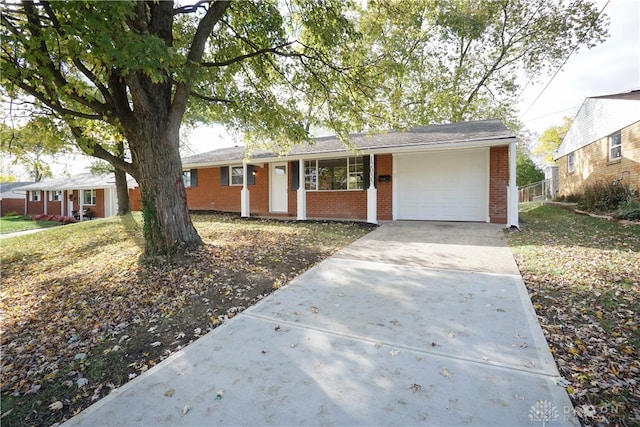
pixel 603 196
pixel 629 210
pixel 11 214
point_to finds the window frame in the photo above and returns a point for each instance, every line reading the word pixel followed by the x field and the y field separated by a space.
pixel 35 195
pixel 617 136
pixel 571 162
pixel 93 193
pixel 55 195
pixel 353 170
pixel 241 175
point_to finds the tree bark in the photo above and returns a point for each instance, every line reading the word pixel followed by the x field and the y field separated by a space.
pixel 122 192
pixel 167 222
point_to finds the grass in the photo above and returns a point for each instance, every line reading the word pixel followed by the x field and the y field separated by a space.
pixel 583 276
pixel 81 316
pixel 13 224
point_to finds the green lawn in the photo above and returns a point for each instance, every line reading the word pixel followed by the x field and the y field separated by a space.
pixel 12 224
pixel 583 276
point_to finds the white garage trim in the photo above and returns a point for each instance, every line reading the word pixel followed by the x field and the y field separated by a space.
pixel 451 185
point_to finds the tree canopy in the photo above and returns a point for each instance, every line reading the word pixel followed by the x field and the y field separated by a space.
pixel 551 139
pixel 456 60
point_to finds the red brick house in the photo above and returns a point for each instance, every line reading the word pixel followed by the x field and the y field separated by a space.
pixel 95 194
pixel 451 172
pixel 603 143
pixel 10 200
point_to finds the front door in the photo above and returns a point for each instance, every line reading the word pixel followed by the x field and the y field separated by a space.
pixel 279 202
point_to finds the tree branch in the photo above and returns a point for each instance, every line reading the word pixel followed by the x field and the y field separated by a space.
pixel 210 98
pixel 248 55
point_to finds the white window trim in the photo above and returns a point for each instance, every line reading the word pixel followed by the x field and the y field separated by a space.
pixel 571 162
pixel 93 192
pixel 612 147
pixel 349 174
pixel 33 193
pixel 53 194
pixel 186 178
pixel 231 175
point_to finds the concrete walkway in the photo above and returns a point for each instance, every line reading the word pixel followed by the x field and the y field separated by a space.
pixel 415 324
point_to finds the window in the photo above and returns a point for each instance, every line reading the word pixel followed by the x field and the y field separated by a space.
pixel 570 162
pixel 190 178
pixel 34 196
pixel 55 196
pixel 237 175
pixel 89 197
pixel 334 174
pixel 615 146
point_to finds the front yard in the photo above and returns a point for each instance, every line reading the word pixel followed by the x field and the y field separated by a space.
pixel 15 223
pixel 81 316
pixel 583 276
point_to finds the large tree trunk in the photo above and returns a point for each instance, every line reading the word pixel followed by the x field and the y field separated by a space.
pixel 122 191
pixel 167 222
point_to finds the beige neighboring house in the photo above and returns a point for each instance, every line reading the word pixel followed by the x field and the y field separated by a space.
pixel 603 143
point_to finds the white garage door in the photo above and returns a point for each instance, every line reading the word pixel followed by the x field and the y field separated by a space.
pixel 446 186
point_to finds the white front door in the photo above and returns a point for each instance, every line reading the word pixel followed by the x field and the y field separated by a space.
pixel 279 202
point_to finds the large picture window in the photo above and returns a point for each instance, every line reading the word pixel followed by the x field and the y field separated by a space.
pixel 89 197
pixel 615 146
pixel 334 174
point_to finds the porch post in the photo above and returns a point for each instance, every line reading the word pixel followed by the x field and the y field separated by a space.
pixel 81 204
pixel 512 189
pixel 372 194
pixel 62 200
pixel 302 196
pixel 45 200
pixel 245 211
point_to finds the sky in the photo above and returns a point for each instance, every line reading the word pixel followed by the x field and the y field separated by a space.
pixel 611 67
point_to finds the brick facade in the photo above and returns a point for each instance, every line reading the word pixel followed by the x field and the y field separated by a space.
pixel 210 195
pixel 11 205
pixel 591 163
pixel 498 182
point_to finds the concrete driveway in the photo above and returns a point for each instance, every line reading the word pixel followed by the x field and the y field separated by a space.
pixel 417 323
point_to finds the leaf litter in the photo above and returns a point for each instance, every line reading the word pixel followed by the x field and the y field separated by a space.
pixel 583 277
pixel 82 316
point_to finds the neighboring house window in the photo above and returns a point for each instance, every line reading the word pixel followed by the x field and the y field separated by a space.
pixel 34 196
pixel 190 178
pixel 570 162
pixel 334 174
pixel 237 175
pixel 89 197
pixel 55 196
pixel 615 146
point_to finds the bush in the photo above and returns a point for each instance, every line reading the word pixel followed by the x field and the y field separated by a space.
pixel 11 214
pixel 605 196
pixel 629 211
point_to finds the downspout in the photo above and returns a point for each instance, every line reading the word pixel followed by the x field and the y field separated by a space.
pixel 512 190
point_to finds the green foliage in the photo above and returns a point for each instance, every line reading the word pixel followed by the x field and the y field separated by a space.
pixel 629 210
pixel 605 196
pixel 34 144
pixel 551 139
pixel 450 60
pixel 527 172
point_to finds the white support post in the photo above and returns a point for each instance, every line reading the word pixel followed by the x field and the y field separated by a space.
pixel 81 204
pixel 245 211
pixel 45 200
pixel 512 190
pixel 302 196
pixel 372 194
pixel 62 200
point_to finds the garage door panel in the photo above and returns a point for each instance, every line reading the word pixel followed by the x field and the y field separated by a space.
pixel 443 186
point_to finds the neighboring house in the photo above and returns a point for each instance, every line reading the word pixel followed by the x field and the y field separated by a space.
pixel 76 194
pixel 11 201
pixel 603 143
pixel 451 172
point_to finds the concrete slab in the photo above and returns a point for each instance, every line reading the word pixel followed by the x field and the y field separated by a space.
pixel 376 335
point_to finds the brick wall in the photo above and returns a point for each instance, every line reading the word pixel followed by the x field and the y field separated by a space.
pixel 35 208
pixel 498 181
pixel 11 205
pixel 384 166
pixel 591 163
pixel 337 204
pixel 53 208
